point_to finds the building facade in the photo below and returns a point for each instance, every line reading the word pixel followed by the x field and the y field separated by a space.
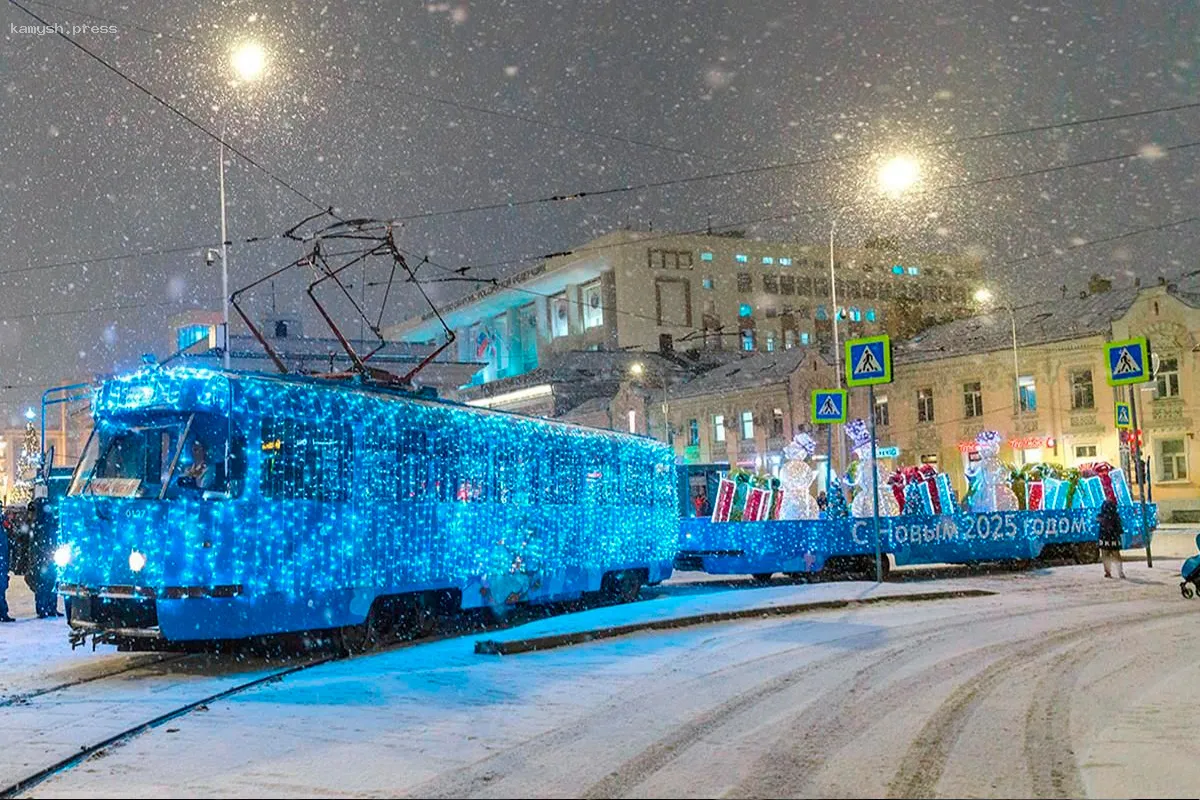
pixel 651 292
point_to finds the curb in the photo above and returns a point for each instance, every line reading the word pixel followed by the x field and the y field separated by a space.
pixel 493 647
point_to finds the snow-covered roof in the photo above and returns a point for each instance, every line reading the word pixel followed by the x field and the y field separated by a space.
pixel 1054 320
pixel 759 369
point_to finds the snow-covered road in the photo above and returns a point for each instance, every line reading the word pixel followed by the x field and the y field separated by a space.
pixel 1064 684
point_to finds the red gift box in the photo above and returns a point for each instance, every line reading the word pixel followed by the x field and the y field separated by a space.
pixel 1035 495
pixel 724 502
pixel 757 501
pixel 1101 470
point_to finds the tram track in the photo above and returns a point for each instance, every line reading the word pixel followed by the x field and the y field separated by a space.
pixel 471 626
pixel 20 698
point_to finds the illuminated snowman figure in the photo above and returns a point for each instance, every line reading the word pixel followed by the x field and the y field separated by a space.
pixel 990 490
pixel 863 506
pixel 795 478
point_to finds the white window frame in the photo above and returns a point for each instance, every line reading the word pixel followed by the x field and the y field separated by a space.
pixel 747 425
pixel 719 427
pixel 1176 458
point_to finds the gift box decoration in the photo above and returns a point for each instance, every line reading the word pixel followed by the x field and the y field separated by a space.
pixel 776 503
pixel 1035 495
pixel 757 504
pixel 1120 488
pixel 1090 492
pixel 1055 493
pixel 724 502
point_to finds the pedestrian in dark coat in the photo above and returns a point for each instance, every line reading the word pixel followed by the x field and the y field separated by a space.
pixel 1110 540
pixel 4 617
pixel 41 567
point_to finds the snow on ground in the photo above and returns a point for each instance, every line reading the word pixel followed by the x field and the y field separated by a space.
pixel 1058 686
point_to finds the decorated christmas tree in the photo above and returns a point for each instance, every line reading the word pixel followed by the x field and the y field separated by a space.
pixel 836 507
pixel 28 465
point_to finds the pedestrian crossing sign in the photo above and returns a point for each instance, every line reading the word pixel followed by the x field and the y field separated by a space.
pixel 828 406
pixel 1124 418
pixel 868 361
pixel 1127 361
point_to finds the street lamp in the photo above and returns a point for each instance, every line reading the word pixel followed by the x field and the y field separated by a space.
pixel 638 371
pixel 895 177
pixel 249 61
pixel 985 297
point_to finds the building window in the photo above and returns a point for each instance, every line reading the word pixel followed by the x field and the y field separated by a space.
pixel 804 286
pixel 784 261
pixel 822 314
pixel 693 437
pixel 882 418
pixel 1081 390
pixel 747 424
pixel 1028 393
pixel 770 341
pixel 1172 456
pixel 558 315
pixel 673 302
pixel 707 283
pixel 668 259
pixel 777 423
pixel 768 260
pixel 870 315
pixel 744 282
pixel 719 428
pixel 897 270
pixel 1085 452
pixel 186 337
pixel 804 337
pixel 787 284
pixel 914 270
pixel 925 405
pixel 593 309
pixel 789 339
pixel 929 458
pixel 855 315
pixel 1167 380
pixel 748 340
pixel 632 421
pixel 706 256
pixel 740 258
pixel 745 310
pixel 972 399
pixel 771 284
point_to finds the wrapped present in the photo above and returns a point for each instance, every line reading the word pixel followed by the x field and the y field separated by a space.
pixel 1090 492
pixel 898 483
pixel 1035 495
pixel 757 505
pixel 1120 488
pixel 776 503
pixel 941 494
pixel 1055 493
pixel 724 501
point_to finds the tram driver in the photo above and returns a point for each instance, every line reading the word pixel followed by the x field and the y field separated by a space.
pixel 199 473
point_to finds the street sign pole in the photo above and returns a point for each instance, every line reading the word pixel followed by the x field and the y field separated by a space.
pixel 875 487
pixel 828 465
pixel 1142 477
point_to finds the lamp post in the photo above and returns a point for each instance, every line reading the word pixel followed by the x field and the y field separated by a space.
pixel 895 177
pixel 248 60
pixel 638 370
pixel 985 297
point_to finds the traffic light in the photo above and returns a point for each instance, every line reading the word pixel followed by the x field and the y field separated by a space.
pixel 1137 438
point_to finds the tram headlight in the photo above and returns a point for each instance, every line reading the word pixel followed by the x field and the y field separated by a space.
pixel 137 561
pixel 62 555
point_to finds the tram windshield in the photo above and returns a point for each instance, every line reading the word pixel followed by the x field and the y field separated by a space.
pixel 157 456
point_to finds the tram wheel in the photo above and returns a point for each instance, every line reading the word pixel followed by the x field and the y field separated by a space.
pixel 762 577
pixel 362 638
pixel 1087 552
pixel 622 586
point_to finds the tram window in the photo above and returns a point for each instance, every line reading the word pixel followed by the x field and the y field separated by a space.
pixel 302 460
pixel 412 465
pixel 136 461
pixel 635 484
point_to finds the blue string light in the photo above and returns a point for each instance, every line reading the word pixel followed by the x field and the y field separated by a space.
pixel 338 494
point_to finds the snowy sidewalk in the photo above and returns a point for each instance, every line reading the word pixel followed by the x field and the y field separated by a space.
pixel 676 611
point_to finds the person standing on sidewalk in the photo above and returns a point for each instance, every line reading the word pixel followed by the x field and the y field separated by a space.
pixel 1110 540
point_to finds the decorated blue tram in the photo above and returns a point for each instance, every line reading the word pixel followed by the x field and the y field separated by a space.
pixel 216 505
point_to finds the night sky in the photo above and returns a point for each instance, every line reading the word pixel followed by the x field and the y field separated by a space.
pixel 381 109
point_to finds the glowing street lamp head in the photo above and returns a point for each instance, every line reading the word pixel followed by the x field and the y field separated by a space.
pixel 29 415
pixel 983 296
pixel 898 175
pixel 249 60
pixel 637 369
